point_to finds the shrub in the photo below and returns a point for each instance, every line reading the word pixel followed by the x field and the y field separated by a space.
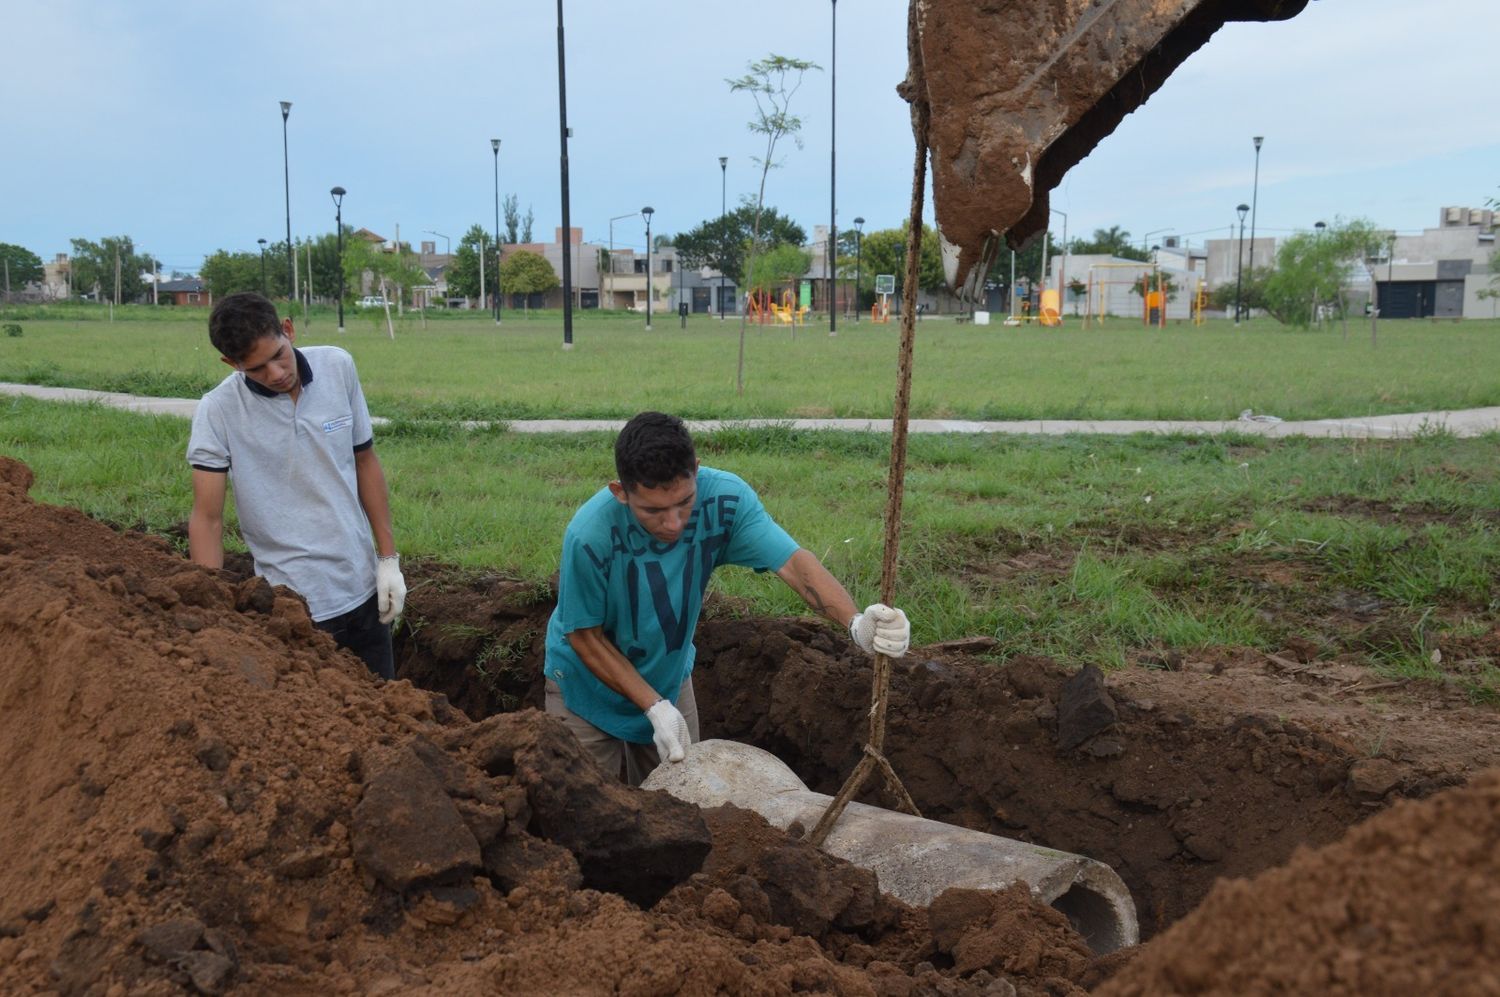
pixel 12 329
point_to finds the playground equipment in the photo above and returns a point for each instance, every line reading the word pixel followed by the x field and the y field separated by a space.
pixel 914 858
pixel 763 308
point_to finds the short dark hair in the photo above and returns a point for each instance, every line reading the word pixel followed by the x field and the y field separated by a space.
pixel 238 321
pixel 654 449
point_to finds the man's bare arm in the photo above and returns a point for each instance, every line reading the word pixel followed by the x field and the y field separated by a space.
pixel 822 592
pixel 206 522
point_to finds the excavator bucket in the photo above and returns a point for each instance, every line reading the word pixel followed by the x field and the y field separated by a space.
pixel 1021 90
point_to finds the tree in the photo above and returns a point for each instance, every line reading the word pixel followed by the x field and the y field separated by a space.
pixel 526 225
pixel 1309 269
pixel 723 242
pixel 463 272
pixel 19 266
pixel 510 210
pixel 885 252
pixel 230 273
pixel 1493 291
pixel 526 273
pixel 393 272
pixel 771 83
pixel 94 267
pixel 779 265
pixel 1112 241
pixel 1147 282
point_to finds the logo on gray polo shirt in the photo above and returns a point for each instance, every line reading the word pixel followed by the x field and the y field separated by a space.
pixel 334 425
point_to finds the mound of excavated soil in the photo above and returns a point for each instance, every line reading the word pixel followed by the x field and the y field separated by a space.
pixel 199 792
pixel 1406 903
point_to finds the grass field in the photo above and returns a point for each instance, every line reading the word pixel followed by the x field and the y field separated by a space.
pixel 1087 548
pixel 461 366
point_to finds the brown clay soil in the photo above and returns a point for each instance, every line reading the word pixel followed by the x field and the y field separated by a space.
pixel 200 793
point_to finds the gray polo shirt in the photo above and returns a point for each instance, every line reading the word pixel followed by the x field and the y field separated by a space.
pixel 291 465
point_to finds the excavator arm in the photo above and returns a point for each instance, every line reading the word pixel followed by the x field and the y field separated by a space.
pixel 1018 91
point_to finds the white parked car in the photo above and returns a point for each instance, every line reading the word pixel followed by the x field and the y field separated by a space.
pixel 372 301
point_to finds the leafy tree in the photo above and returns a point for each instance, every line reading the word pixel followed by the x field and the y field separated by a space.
pixel 1310 269
pixel 771 82
pixel 463 272
pixel 94 267
pixel 1148 282
pixel 510 210
pixel 230 273
pixel 724 242
pixel 526 273
pixel 1112 241
pixel 778 266
pixel 1493 291
pixel 885 252
pixel 526 225
pixel 19 266
pixel 393 272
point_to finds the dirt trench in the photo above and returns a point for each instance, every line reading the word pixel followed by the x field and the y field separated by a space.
pixel 1218 763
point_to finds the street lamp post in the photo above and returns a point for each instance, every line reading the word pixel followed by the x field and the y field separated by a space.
pixel 286 175
pixel 337 194
pixel 628 214
pixel 646 213
pixel 262 266
pixel 1062 268
pixel 859 245
pixel 833 213
pixel 1254 196
pixel 723 216
pixel 447 242
pixel 1318 227
pixel 495 146
pixel 564 133
pixel 1239 263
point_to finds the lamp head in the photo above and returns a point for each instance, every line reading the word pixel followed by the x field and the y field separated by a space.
pixel 1258 140
pixel 262 244
pixel 1320 226
pixel 646 213
pixel 337 194
pixel 723 162
pixel 495 145
pixel 1243 209
pixel 286 108
pixel 858 223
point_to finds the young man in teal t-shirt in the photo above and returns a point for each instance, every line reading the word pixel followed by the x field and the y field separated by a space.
pixel 636 561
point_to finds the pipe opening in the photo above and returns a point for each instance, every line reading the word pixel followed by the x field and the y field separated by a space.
pixel 1093 916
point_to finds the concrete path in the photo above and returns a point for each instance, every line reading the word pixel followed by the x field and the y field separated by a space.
pixel 1468 422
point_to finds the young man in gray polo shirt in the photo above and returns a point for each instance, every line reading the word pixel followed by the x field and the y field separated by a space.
pixel 291 432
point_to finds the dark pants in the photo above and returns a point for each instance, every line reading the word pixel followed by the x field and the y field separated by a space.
pixel 361 631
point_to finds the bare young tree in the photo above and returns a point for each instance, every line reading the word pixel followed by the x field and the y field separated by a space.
pixel 771 82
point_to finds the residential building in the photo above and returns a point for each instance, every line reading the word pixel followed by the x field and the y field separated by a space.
pixel 1441 272
pixel 189 291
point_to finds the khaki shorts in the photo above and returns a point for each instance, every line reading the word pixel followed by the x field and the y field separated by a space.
pixel 625 760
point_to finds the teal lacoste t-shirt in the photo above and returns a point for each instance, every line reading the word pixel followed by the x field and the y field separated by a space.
pixel 646 594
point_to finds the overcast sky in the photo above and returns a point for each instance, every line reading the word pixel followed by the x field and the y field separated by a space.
pixel 161 120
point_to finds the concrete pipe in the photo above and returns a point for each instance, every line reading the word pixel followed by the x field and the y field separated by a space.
pixel 913 858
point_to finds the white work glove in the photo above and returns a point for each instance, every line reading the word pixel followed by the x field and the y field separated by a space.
pixel 669 730
pixel 390 588
pixel 881 630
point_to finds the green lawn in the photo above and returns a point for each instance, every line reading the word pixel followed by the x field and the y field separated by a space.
pixel 1086 548
pixel 463 366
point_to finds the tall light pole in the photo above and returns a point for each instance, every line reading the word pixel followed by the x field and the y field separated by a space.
pixel 1147 237
pixel 1062 268
pixel 628 214
pixel 286 176
pixel 1254 194
pixel 495 147
pixel 646 213
pixel 1318 228
pixel 262 266
pixel 833 211
pixel 1239 269
pixel 859 245
pixel 562 116
pixel 337 194
pixel 723 219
